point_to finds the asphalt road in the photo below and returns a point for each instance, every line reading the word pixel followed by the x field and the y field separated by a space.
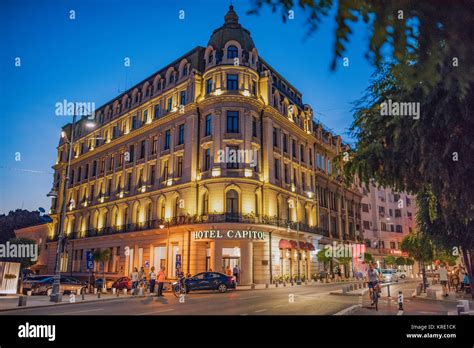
pixel 290 300
pixel 310 300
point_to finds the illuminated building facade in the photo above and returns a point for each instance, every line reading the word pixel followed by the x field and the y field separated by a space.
pixel 214 161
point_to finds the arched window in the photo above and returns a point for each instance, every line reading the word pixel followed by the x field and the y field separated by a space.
pixel 232 52
pixel 232 202
pixel 125 216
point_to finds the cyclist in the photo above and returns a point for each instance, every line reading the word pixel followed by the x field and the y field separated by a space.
pixel 372 280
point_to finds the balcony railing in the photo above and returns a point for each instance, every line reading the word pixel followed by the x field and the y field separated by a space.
pixel 196 219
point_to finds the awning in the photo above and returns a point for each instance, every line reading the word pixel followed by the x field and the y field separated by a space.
pixel 284 244
pixel 294 245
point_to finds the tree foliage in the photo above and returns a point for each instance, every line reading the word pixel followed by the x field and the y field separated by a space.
pixel 15 220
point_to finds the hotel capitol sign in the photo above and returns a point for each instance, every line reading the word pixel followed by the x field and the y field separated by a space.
pixel 229 234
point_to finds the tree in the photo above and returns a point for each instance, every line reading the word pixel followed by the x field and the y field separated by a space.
pixel 430 61
pixel 101 256
pixel 418 246
pixel 323 258
pixel 389 260
pixel 368 258
pixel 400 261
pixel 15 220
pixel 344 261
pixel 410 262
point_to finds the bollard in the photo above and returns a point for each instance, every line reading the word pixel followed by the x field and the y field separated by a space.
pixel 114 291
pixel 22 301
pixel 125 291
pixel 266 285
pixel 460 309
pixel 95 291
pixel 83 295
pixel 28 293
pixel 388 290
pixel 276 285
pixel 284 283
pixel 98 294
pixel 400 301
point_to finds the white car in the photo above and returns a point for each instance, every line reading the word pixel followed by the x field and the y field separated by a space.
pixel 402 274
pixel 389 275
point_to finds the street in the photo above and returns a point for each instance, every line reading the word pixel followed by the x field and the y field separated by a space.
pixel 290 300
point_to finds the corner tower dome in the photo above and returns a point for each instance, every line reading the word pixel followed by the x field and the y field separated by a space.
pixel 231 30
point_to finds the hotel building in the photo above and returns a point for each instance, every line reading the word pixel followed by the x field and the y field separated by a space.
pixel 151 183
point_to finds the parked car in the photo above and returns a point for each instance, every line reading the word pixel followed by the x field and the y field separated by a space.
pixel 402 274
pixel 389 275
pixel 208 281
pixel 123 283
pixel 43 285
pixel 99 283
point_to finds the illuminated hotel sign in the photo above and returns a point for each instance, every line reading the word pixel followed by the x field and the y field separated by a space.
pixel 229 234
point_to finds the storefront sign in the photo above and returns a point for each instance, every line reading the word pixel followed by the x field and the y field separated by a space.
pixel 229 234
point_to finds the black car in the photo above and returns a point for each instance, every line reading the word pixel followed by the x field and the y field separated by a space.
pixel 207 281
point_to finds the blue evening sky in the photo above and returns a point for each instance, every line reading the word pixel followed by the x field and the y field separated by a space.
pixel 82 60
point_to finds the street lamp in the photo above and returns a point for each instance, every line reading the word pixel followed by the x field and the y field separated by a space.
pixel 55 294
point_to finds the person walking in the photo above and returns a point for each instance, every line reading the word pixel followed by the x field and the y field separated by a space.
pixel 235 271
pixel 161 281
pixel 443 278
pixel 152 279
pixel 228 271
pixel 134 277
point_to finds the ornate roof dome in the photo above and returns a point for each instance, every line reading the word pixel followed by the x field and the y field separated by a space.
pixel 231 30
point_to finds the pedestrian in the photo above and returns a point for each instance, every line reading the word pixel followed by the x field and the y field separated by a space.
pixel 141 274
pixel 443 278
pixel 92 282
pixel 134 277
pixel 235 271
pixel 228 271
pixel 152 279
pixel 161 280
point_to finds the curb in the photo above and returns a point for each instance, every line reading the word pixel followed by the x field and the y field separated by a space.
pixel 349 310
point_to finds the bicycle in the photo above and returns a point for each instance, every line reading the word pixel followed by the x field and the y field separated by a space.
pixel 374 296
pixel 179 288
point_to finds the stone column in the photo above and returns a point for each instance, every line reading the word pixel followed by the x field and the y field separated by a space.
pixel 246 262
pixel 216 256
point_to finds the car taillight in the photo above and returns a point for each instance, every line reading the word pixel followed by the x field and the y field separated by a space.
pixel 230 279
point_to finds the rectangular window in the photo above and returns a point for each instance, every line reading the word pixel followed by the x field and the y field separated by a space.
pixel 157 111
pixel 129 181
pixel 165 170
pixel 383 226
pixel 134 122
pixel 179 166
pixel 254 127
pixel 366 225
pixel 207 159
pixel 302 153
pixel 398 229
pixel 167 140
pixel 152 175
pixel 94 168
pixel 277 169
pixel 303 181
pixel 287 178
pixel 275 137
pixel 254 87
pixel 293 147
pixel 208 130
pixel 142 149
pixel 208 86
pixel 145 115
pixel 285 143
pixel 170 104
pixel 154 147
pixel 233 154
pixel 181 134
pixel 310 157
pixel 295 178
pixel 86 173
pixel 365 207
pixel 132 153
pixel 398 213
pixel 232 82
pixel 182 98
pixel 232 122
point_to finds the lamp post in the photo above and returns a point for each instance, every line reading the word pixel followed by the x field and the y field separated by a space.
pixel 55 294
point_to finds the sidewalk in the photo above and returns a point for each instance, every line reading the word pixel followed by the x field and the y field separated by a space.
pixel 437 290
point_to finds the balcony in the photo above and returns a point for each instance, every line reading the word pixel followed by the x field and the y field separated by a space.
pixel 197 219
